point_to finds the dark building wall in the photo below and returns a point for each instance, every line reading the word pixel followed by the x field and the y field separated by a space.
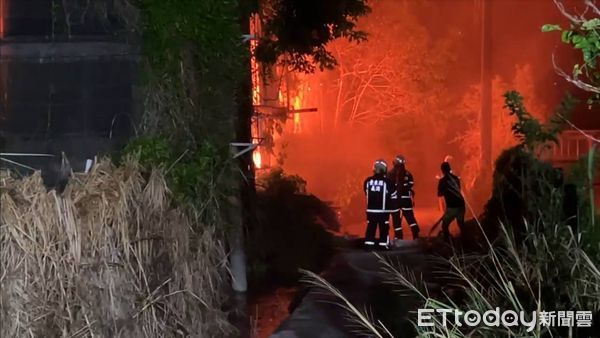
pixel 50 20
pixel 74 95
pixel 27 17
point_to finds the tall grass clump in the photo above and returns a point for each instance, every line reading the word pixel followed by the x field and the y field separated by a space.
pixel 549 270
pixel 109 257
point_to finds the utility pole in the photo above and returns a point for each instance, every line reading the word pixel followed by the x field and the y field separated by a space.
pixel 247 189
pixel 243 201
pixel 486 88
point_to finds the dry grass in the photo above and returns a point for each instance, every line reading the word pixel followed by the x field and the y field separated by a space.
pixel 109 257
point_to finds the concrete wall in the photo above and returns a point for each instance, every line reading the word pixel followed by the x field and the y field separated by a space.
pixel 75 95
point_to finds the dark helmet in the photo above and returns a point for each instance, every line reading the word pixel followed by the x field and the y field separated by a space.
pixel 380 167
pixel 399 159
pixel 445 167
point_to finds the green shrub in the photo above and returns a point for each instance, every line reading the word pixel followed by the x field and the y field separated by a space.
pixel 291 231
pixel 525 189
pixel 196 178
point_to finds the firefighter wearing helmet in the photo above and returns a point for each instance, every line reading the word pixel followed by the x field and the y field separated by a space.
pixel 404 182
pixel 379 190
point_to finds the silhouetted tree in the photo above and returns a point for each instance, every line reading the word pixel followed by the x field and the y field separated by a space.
pixel 299 30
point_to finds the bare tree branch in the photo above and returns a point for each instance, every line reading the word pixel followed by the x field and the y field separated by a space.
pixel 568 15
pixel 574 80
pixel 581 131
pixel 591 4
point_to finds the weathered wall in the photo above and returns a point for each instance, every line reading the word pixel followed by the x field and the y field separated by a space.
pixel 75 95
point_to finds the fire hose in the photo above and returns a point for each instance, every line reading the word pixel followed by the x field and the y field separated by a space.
pixel 435 225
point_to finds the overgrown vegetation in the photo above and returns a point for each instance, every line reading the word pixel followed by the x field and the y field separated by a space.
pixel 109 257
pixel 522 183
pixel 193 59
pixel 196 178
pixel 291 232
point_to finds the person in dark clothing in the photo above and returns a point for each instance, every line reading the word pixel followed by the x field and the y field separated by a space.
pixel 404 207
pixel 379 191
pixel 449 193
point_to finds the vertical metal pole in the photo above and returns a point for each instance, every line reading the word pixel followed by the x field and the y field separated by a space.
pixel 486 88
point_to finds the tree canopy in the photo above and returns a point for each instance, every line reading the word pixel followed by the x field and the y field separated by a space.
pixel 300 30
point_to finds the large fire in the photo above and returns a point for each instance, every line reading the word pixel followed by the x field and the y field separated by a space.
pixel 414 89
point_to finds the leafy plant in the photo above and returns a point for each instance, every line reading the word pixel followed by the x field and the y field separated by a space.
pixel 291 231
pixel 193 62
pixel 151 151
pixel 583 34
pixel 528 130
pixel 195 177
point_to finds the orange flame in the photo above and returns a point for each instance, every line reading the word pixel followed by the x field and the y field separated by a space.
pixel 297 105
pixel 254 66
pixel 257 158
pixel 256 83
pixel 1 19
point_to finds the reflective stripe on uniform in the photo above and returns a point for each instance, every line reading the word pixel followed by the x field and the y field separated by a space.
pixel 406 209
pixel 387 240
pixel 384 194
pixel 369 243
pixel 377 211
pixel 398 229
pixel 413 225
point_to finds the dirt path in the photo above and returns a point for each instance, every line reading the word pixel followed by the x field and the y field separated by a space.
pixel 426 217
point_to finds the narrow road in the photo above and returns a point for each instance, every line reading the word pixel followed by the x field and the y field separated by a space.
pixel 358 275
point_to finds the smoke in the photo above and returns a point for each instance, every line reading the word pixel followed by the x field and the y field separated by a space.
pixel 413 89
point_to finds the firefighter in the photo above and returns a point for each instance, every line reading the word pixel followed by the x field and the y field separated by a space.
pixel 379 191
pixel 404 182
pixel 451 200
